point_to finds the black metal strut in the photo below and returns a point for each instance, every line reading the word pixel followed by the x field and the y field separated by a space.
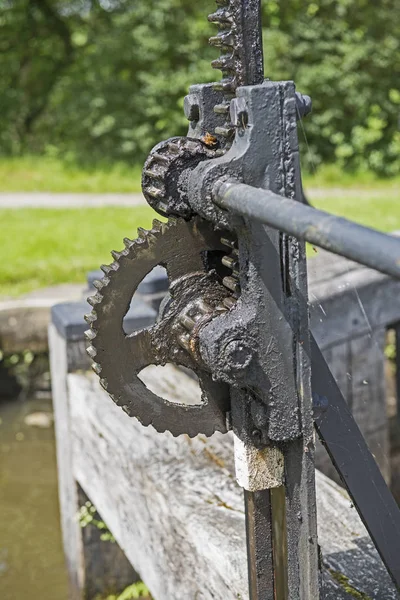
pixel 333 420
pixel 355 464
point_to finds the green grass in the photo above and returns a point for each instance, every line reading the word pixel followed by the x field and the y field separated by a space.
pixel 46 174
pixel 36 174
pixel 378 211
pixel 331 176
pixel 44 247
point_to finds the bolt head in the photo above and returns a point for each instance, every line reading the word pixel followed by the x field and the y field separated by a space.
pixel 191 108
pixel 303 104
pixel 237 355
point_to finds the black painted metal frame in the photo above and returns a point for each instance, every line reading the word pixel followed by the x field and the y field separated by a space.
pixel 333 420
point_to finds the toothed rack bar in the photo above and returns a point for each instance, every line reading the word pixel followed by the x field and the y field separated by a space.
pixel 336 234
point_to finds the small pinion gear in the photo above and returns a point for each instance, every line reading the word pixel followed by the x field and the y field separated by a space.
pixel 165 170
pixel 181 247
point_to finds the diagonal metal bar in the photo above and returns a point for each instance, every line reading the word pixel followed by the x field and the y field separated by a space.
pixel 341 236
pixel 355 464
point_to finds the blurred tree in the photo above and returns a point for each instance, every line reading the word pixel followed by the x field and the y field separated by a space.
pixel 346 55
pixel 100 80
pixel 36 48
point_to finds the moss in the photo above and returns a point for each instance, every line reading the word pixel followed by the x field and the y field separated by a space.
pixel 343 581
pixel 87 515
pixel 132 592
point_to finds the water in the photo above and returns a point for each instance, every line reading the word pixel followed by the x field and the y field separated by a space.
pixel 31 557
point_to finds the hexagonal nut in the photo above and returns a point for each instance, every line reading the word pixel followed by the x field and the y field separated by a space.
pixel 237 356
pixel 191 107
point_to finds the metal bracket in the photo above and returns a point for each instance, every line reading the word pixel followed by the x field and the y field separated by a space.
pixel 260 347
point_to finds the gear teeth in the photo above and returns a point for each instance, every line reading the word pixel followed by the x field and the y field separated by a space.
pixel 98 319
pixel 221 16
pixel 142 233
pixel 155 192
pixel 90 334
pixel 229 302
pixel 160 159
pixel 174 147
pixel 230 262
pixel 224 63
pixel 151 237
pixel 116 255
pixel 227 85
pixel 225 132
pixel 96 368
pixel 222 109
pixel 91 350
pixel 228 242
pixel 228 41
pixel 232 284
pixel 108 269
pixel 96 299
pixel 224 39
pixel 100 283
pixel 156 225
pixel 90 318
pixel 157 172
pixel 172 221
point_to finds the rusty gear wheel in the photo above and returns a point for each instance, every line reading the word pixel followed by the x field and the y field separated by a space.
pixel 182 247
pixel 163 172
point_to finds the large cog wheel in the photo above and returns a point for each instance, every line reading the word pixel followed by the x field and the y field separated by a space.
pixel 182 248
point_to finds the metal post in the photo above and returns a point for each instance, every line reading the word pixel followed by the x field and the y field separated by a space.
pixel 259 544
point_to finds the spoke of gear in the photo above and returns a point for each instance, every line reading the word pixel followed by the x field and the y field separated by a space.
pixel 181 247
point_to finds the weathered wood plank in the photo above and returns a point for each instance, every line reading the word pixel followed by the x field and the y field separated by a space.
pixel 93 566
pixel 358 367
pixel 67 490
pixel 348 300
pixel 175 508
pixel 369 403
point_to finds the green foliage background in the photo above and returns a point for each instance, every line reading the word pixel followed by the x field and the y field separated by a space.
pixel 103 80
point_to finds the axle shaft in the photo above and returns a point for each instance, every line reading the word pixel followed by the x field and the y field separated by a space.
pixel 336 234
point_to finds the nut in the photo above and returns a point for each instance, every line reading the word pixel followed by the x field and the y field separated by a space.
pixel 237 355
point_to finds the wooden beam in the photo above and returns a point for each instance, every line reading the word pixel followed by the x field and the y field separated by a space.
pixel 175 508
pixel 93 566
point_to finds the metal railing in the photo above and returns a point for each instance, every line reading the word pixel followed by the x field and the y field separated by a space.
pixel 333 420
pixel 367 246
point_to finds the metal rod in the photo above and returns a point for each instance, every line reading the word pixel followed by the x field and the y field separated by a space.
pixel 279 542
pixel 364 245
pixel 355 464
pixel 260 558
pixel 252 59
